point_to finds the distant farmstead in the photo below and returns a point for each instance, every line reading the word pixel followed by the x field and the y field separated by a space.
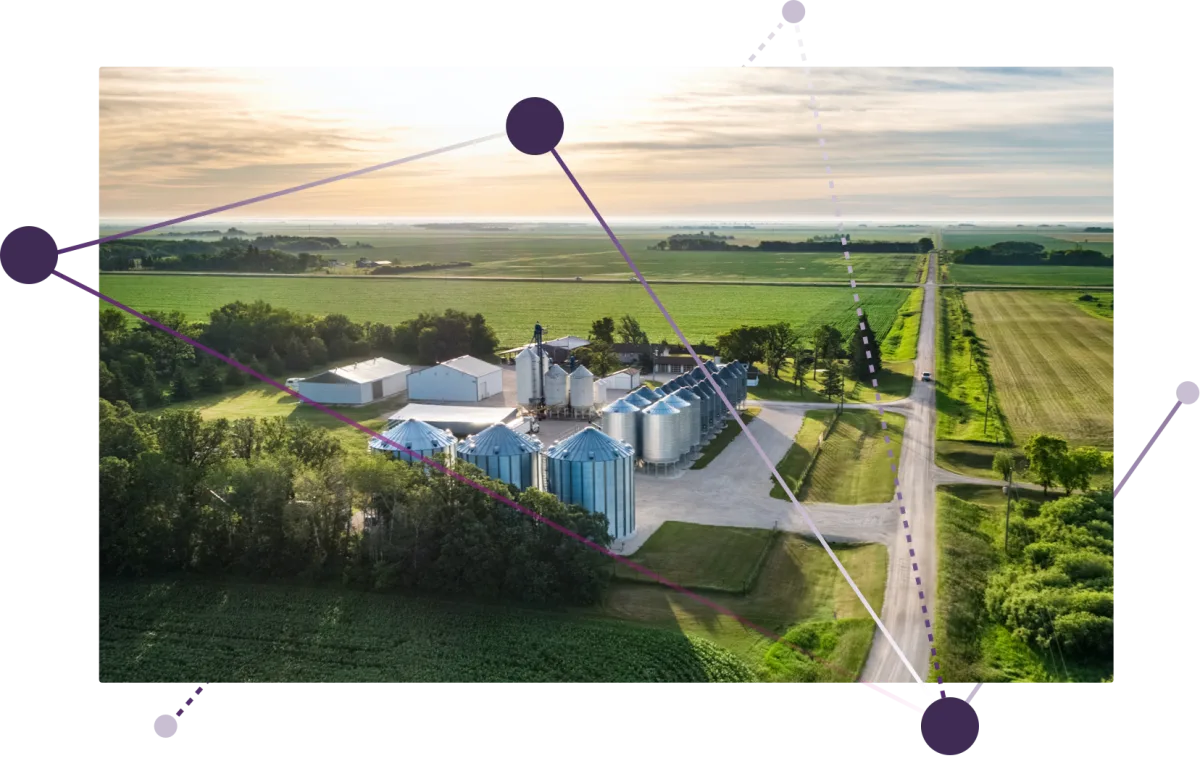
pixel 463 379
pixel 356 384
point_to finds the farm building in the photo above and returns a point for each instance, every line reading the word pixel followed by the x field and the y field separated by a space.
pixel 624 380
pixel 460 420
pixel 356 384
pixel 463 379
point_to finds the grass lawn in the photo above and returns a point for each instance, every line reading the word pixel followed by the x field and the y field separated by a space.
pixel 798 584
pixel 723 439
pixel 172 631
pixel 1074 276
pixel 964 413
pixel 900 343
pixel 973 648
pixel 701 557
pixel 854 466
pixel 794 463
pixel 1052 362
pixel 895 382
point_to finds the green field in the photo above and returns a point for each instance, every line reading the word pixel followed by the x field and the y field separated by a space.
pixel 900 343
pixel 1052 238
pixel 723 439
pixel 231 632
pixel 699 557
pixel 702 311
pixel 853 466
pixel 798 586
pixel 973 274
pixel 794 464
pixel 1052 362
pixel 895 382
pixel 965 412
pixel 973 648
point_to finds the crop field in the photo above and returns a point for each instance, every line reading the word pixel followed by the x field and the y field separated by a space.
pixel 701 557
pixel 797 586
pixel 226 632
pixel 1052 363
pixel 853 466
pixel 702 311
pixel 1082 276
pixel 1053 239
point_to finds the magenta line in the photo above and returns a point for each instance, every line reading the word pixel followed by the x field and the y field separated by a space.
pixel 733 412
pixel 1153 438
pixel 284 192
pixel 474 484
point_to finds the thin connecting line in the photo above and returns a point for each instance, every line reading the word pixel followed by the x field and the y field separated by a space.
pixel 733 412
pixel 1153 438
pixel 974 691
pixel 763 45
pixel 284 192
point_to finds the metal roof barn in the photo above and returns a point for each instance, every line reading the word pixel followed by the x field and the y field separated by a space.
pixel 424 439
pixel 505 454
pixel 357 384
pixel 463 379
pixel 459 420
pixel 595 472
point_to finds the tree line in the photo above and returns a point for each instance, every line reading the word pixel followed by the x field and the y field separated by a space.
pixel 271 499
pixel 1029 254
pixel 229 255
pixel 702 242
pixel 146 367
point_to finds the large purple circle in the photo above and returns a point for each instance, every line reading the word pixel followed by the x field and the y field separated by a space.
pixel 165 726
pixel 793 11
pixel 950 726
pixel 1188 391
pixel 28 255
pixel 534 126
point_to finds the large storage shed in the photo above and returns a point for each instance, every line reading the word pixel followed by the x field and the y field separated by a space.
pixel 464 379
pixel 356 384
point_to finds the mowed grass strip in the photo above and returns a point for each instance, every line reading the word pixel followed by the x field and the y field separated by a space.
pixel 511 308
pixel 1052 363
pixel 798 584
pixel 701 557
pixel 853 466
pixel 965 412
pixel 800 455
pixel 724 438
pixel 900 343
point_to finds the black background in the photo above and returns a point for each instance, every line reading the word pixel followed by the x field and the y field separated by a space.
pixel 49 179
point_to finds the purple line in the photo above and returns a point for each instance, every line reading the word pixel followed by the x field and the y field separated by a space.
pixel 733 412
pixel 474 484
pixel 1156 436
pixel 974 691
pixel 284 192
pixel 862 327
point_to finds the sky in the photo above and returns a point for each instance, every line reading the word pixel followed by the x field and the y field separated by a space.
pixel 903 144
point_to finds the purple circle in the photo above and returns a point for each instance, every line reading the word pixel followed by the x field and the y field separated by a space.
pixel 28 255
pixel 534 126
pixel 793 11
pixel 165 725
pixel 950 726
pixel 1187 392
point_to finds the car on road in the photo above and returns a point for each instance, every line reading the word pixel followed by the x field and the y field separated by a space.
pixel 926 376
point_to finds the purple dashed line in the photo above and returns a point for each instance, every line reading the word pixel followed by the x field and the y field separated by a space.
pixel 188 703
pixel 887 439
pixel 763 45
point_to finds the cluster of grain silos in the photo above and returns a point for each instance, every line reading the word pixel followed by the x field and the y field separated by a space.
pixel 594 471
pixel 548 386
pixel 413 435
pixel 532 364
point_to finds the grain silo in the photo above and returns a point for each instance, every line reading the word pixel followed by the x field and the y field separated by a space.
pixel 622 420
pixel 649 393
pixel 660 434
pixel 531 369
pixel 637 399
pixel 503 453
pixel 417 436
pixel 708 409
pixel 581 391
pixel 595 472
pixel 696 429
pixel 556 387
pixel 684 427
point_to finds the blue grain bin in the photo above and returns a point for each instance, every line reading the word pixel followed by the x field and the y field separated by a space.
pixel 422 438
pixel 503 453
pixel 593 471
pixel 648 393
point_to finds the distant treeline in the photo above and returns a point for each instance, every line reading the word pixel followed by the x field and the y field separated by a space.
pixel 1029 254
pixel 146 367
pixel 1098 230
pixel 420 267
pixel 284 254
pixel 702 242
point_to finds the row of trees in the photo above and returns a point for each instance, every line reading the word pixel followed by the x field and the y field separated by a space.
pixel 273 499
pixel 146 367
pixel 1030 254
pixel 710 242
pixel 197 255
pixel 1049 461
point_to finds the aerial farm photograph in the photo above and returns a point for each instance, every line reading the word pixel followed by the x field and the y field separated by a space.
pixel 432 422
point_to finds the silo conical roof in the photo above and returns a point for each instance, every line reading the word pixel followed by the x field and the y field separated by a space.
pixel 589 444
pixel 500 440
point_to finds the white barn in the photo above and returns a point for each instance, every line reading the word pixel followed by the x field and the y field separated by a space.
pixel 356 384
pixel 463 379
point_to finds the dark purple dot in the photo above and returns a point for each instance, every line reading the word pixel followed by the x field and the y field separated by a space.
pixel 1188 391
pixel 793 11
pixel 28 255
pixel 534 126
pixel 167 726
pixel 950 726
